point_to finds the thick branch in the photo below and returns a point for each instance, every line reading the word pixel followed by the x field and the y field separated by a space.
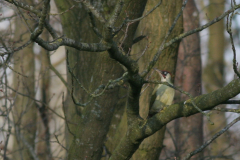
pixel 25 6
pixel 91 47
pixel 39 29
pixel 116 12
pixel 94 11
pixel 144 128
pixel 130 64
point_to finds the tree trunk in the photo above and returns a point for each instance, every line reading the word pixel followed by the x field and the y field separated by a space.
pixel 155 26
pixel 214 75
pixel 189 131
pixel 25 110
pixel 90 124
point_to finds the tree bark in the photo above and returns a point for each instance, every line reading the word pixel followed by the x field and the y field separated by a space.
pixel 92 70
pixel 155 26
pixel 189 131
pixel 141 128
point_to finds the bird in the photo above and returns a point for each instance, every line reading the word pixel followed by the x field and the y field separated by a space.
pixel 162 95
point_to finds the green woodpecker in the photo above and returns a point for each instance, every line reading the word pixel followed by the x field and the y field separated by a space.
pixel 162 95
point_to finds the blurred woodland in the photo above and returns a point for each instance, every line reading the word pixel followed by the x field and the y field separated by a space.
pixel 76 78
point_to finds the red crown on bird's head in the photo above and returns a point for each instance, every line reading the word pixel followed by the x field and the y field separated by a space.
pixel 163 72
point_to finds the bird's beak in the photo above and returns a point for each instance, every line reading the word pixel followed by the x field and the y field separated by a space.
pixel 159 72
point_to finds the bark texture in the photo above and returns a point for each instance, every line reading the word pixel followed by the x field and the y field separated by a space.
pixel 91 123
pixel 155 26
pixel 144 128
pixel 189 131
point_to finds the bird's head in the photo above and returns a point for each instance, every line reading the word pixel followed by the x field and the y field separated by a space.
pixel 165 75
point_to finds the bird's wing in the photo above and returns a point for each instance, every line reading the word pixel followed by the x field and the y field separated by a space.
pixel 153 97
pixel 160 89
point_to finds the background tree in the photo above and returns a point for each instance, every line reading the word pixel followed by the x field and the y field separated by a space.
pixel 99 39
pixel 25 110
pixel 214 74
pixel 189 131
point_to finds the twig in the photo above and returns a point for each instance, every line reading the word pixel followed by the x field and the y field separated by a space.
pixel 183 35
pixel 39 29
pixel 226 109
pixel 95 12
pixel 116 12
pixel 15 71
pixel 25 6
pixel 93 25
pixel 54 14
pixel 60 143
pixel 29 147
pixel 229 30
pixel 26 95
pixel 91 94
pixel 212 139
pixel 162 46
pixel 10 53
pixel 66 117
pixel 140 18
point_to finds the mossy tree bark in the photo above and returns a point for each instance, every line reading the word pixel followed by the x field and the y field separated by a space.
pixel 91 123
pixel 155 27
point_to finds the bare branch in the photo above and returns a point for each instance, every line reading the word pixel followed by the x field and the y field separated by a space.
pixel 51 30
pixel 229 30
pixel 54 14
pixel 93 10
pixel 91 47
pixel 39 29
pixel 212 139
pixel 29 147
pixel 93 25
pixel 92 95
pixel 60 143
pixel 15 71
pixel 25 95
pixel 140 18
pixel 10 53
pixel 157 55
pixel 227 110
pixel 183 35
pixel 25 6
pixel 116 12
pixel 144 128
